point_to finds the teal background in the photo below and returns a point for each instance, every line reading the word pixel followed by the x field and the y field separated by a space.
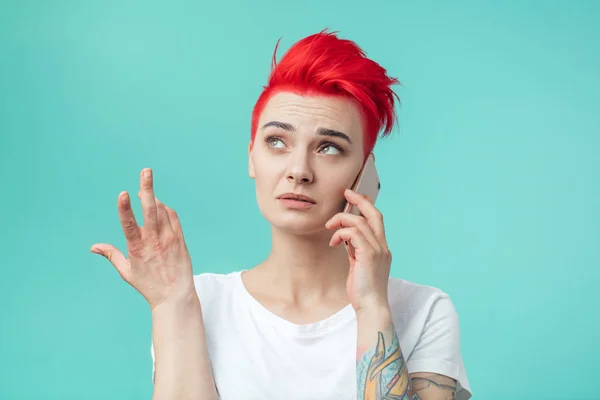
pixel 491 183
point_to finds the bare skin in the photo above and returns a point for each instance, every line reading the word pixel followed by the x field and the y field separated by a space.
pixel 159 267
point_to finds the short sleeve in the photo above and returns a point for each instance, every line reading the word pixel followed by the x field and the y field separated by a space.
pixel 438 348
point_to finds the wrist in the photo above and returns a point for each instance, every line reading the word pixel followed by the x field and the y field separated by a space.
pixel 175 321
pixel 376 313
pixel 374 305
pixel 190 303
pixel 372 322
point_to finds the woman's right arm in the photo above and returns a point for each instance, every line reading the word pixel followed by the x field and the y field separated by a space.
pixel 182 369
pixel 160 268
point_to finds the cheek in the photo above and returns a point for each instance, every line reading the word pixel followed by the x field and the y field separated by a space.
pixel 266 177
pixel 335 186
pixel 341 181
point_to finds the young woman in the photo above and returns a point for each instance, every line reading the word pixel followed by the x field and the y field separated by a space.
pixel 310 321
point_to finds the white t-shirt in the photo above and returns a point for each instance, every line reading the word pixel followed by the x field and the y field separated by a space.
pixel 256 354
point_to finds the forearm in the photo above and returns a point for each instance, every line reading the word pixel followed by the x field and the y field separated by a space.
pixel 182 368
pixel 380 366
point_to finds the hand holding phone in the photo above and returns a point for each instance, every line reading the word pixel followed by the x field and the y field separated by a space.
pixel 366 183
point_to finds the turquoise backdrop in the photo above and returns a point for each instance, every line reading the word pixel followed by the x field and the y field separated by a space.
pixel 491 183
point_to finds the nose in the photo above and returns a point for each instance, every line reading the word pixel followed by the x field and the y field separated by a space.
pixel 299 170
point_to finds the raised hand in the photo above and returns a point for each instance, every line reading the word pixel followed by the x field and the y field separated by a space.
pixel 159 265
pixel 369 273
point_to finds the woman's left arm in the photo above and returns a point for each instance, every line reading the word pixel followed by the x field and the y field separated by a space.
pixel 380 365
pixel 381 368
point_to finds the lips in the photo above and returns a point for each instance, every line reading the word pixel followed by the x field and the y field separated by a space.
pixel 296 197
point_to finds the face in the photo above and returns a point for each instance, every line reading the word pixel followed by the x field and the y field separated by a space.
pixel 309 146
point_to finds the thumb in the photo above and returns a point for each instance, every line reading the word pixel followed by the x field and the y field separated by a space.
pixel 114 255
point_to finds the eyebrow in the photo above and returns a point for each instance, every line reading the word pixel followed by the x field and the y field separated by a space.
pixel 321 131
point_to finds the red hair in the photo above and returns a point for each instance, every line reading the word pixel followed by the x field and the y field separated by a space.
pixel 323 64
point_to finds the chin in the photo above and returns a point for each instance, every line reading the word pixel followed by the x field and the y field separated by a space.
pixel 296 222
pixel 299 227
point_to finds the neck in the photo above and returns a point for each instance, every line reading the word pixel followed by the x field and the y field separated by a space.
pixel 304 268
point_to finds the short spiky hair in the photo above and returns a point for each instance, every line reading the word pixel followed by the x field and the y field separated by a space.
pixel 323 64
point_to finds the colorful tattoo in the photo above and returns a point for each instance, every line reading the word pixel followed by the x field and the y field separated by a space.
pixel 382 373
pixel 421 383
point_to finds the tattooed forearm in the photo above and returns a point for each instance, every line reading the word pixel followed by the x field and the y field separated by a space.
pixel 382 374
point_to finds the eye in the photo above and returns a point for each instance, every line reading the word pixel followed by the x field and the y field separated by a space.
pixel 331 149
pixel 275 142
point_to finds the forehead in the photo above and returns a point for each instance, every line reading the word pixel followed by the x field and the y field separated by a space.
pixel 307 113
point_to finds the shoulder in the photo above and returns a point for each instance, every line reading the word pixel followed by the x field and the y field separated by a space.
pixel 409 299
pixel 427 322
pixel 208 280
pixel 420 310
pixel 213 288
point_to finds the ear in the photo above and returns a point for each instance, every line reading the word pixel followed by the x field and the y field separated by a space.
pixel 250 163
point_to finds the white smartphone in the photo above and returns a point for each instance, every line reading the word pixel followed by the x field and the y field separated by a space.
pixel 366 183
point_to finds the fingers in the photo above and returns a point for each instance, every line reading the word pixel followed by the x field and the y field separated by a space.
pixel 353 237
pixel 346 220
pixel 115 257
pixel 128 222
pixel 164 219
pixel 149 208
pixel 175 222
pixel 371 214
pixel 164 224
